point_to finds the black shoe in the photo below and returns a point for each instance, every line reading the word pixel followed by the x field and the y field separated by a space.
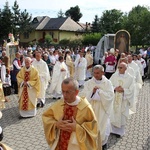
pixel 20 117
pixel 1 136
pixel 59 98
pixel 38 105
pixel 104 147
pixel 80 86
pixel 118 136
pixel 42 104
pixel 54 97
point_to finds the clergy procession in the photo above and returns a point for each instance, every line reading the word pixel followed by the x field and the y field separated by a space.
pixel 91 101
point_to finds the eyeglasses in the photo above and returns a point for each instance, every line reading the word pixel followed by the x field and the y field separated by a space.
pixel 120 67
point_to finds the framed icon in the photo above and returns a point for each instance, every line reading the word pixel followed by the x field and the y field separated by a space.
pixel 122 41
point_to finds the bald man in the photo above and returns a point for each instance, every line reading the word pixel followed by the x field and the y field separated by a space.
pixel 123 84
pixel 29 88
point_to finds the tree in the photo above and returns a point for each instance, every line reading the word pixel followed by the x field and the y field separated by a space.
pixel 95 25
pixel 138 25
pixel 60 14
pixel 6 21
pixel 111 21
pixel 124 21
pixel 25 22
pixel 74 13
pixel 16 18
pixel 14 21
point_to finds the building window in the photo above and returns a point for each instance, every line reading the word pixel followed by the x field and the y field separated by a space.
pixel 52 34
pixel 26 35
pixel 35 20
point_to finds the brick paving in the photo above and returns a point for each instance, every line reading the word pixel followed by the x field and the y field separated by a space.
pixel 27 134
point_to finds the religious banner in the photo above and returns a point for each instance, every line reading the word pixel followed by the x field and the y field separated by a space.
pixel 12 51
pixel 122 41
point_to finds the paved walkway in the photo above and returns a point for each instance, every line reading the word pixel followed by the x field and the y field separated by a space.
pixel 27 134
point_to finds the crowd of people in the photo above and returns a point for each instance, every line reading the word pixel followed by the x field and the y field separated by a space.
pixel 79 120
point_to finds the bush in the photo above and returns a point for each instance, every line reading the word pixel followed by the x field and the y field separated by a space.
pixel 64 42
pixel 92 38
pixel 48 39
pixel 70 43
pixel 75 43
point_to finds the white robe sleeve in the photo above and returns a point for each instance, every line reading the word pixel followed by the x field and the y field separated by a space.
pixel 129 93
pixel 96 96
pixel 107 96
pixel 46 74
pixel 83 64
pixel 76 61
pixel 139 79
pixel 3 73
pixel 87 91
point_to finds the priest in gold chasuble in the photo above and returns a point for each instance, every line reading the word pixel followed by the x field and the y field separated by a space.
pixel 70 123
pixel 29 87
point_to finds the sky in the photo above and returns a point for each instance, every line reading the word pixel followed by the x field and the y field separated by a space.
pixel 89 8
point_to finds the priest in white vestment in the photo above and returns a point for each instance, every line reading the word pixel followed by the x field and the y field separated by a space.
pixel 80 69
pixel 143 63
pixel 29 88
pixel 135 59
pixel 43 70
pixel 100 93
pixel 60 72
pixel 123 84
pixel 89 59
pixel 132 73
pixel 135 67
pixel 138 80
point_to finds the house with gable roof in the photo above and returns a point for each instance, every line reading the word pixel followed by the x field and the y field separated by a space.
pixel 58 28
